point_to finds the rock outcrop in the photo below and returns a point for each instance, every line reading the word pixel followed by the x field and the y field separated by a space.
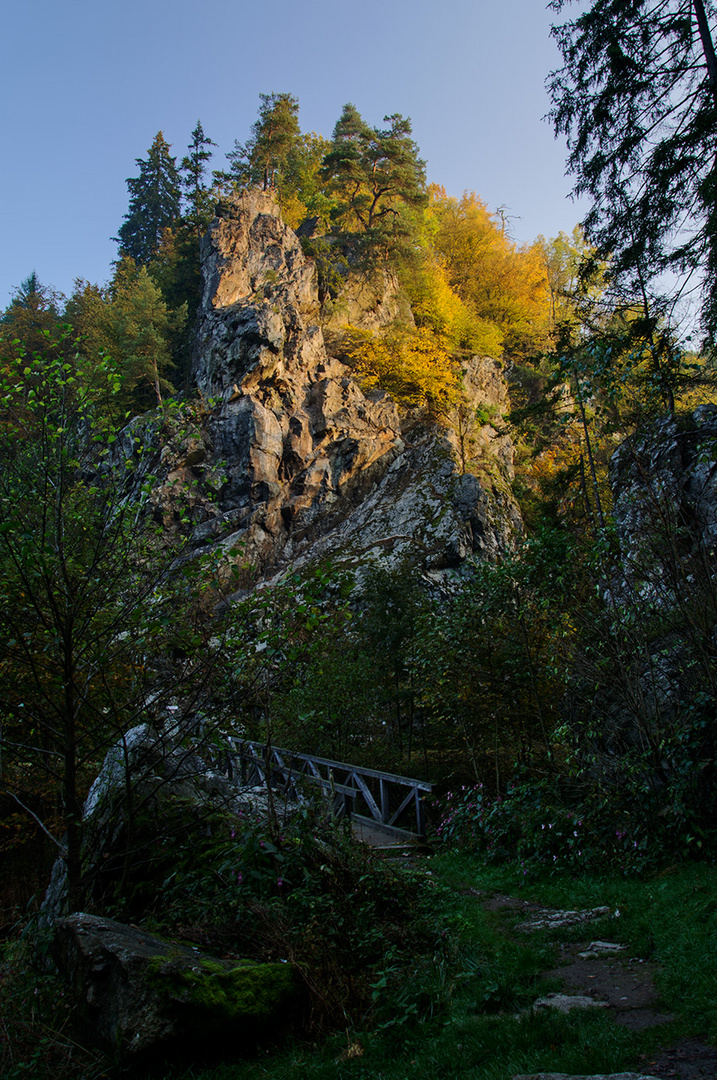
pixel 139 997
pixel 173 791
pixel 652 721
pixel 291 460
pixel 664 484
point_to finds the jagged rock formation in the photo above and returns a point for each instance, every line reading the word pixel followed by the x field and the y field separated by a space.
pixel 292 460
pixel 664 484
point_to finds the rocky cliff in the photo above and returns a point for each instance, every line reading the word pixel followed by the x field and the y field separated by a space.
pixel 291 460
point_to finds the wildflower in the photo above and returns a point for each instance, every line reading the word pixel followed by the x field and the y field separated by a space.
pixel 240 877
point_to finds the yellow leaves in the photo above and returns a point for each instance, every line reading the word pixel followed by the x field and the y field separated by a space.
pixel 413 365
pixel 503 284
pixel 439 307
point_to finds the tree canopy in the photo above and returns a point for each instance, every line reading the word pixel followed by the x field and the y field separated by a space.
pixel 374 176
pixel 264 156
pixel 636 99
pixel 155 202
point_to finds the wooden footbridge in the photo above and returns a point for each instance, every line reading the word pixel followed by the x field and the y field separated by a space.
pixel 374 800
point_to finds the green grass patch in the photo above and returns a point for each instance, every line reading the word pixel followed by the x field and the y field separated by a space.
pixel 458 1004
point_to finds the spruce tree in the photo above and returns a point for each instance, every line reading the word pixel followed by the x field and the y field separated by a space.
pixel 637 99
pixel 193 168
pixel 155 202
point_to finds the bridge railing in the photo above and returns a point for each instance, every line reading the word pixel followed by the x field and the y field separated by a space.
pixel 383 800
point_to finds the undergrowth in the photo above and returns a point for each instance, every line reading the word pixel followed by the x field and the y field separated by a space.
pixel 413 977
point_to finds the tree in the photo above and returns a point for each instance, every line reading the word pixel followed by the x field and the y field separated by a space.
pixel 192 170
pixel 375 177
pixel 413 365
pixel 131 323
pixel 96 630
pixel 155 203
pixel 33 317
pixel 636 100
pixel 263 158
pixel 504 285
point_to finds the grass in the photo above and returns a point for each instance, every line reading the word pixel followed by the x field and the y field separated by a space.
pixel 463 1012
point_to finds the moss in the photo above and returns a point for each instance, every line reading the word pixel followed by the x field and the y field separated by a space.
pixel 216 996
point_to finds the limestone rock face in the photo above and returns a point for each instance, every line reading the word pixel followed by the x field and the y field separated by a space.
pixel 291 460
pixel 139 996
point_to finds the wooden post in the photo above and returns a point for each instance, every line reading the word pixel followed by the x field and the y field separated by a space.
pixel 385 803
pixel 420 815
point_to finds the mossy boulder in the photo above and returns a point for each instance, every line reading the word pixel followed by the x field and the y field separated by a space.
pixel 141 997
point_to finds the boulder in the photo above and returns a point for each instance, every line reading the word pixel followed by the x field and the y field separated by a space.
pixel 174 790
pixel 140 997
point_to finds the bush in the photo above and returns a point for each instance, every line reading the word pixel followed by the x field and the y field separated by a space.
pixel 536 826
pixel 304 891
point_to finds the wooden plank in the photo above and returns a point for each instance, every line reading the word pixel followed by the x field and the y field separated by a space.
pixel 402 807
pixel 385 801
pixel 392 830
pixel 368 797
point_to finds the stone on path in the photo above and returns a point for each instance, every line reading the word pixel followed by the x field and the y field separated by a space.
pixel 601 948
pixel 592 1076
pixel 549 919
pixel 564 1003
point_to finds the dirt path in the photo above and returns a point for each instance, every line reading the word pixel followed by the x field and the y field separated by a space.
pixel 604 972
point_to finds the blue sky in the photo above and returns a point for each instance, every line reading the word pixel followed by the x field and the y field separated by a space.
pixel 86 84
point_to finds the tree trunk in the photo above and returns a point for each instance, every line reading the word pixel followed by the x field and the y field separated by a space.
pixel 707 46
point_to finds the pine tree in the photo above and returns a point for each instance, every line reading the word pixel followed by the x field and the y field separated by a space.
pixel 264 156
pixel 155 202
pixel 375 176
pixel 193 168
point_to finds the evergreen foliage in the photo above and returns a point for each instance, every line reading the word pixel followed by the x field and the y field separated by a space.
pixel 375 177
pixel 265 155
pixel 130 323
pixel 155 203
pixel 636 99
pixel 32 318
pixel 192 172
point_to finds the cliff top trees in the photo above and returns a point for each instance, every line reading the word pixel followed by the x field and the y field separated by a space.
pixel 193 168
pixel 637 100
pixel 274 134
pixel 155 202
pixel 375 177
